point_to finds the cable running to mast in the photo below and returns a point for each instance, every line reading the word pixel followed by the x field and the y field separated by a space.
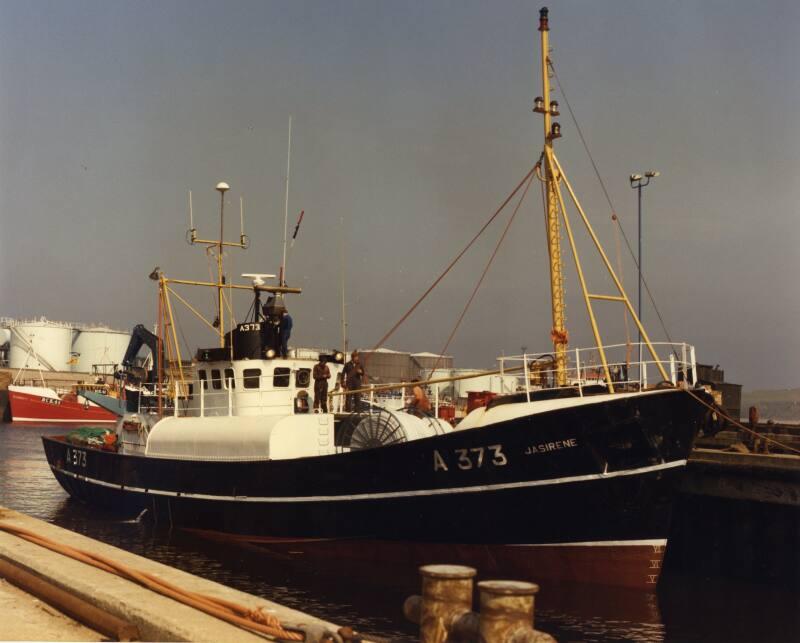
pixel 614 216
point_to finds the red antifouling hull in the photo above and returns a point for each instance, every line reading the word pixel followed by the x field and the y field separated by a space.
pixel 633 564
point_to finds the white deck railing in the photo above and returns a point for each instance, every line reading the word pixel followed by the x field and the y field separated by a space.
pixel 584 366
pixel 533 372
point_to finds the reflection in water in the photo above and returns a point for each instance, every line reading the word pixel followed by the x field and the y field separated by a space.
pixel 370 599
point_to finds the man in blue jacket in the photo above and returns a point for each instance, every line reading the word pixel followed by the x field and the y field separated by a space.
pixel 285 332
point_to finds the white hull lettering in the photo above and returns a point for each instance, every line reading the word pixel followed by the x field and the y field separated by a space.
pixel 474 458
pixel 76 457
pixel 438 462
pixel 545 447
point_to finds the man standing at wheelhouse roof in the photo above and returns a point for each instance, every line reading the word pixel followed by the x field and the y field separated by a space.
pixel 284 332
pixel 354 378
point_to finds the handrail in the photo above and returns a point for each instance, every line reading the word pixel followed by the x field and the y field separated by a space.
pixel 581 364
pixel 236 395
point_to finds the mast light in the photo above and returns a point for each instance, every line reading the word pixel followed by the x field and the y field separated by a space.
pixel 652 174
pixel 555 131
pixel 554 108
pixel 538 105
pixel 543 21
pixel 223 187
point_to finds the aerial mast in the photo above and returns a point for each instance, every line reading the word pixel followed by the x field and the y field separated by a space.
pixel 222 187
pixel 546 107
pixel 282 278
pixel 218 245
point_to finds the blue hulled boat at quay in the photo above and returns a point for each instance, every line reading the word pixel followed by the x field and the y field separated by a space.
pixel 570 476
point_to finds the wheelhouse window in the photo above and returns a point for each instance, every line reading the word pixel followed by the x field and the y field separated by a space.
pixel 204 378
pixel 252 377
pixel 281 377
pixel 216 380
pixel 230 380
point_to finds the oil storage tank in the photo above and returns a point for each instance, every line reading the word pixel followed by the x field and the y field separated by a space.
pixel 40 344
pixel 384 365
pixel 98 345
pixel 429 361
pixel 5 339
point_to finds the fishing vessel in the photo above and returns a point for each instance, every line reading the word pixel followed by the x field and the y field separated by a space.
pixel 45 405
pixel 61 349
pixel 570 477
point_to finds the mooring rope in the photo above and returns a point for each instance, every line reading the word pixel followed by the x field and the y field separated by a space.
pixel 741 426
pixel 256 619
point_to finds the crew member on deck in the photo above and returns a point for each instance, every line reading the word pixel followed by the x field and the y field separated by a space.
pixel 354 378
pixel 419 401
pixel 270 330
pixel 285 331
pixel 335 402
pixel 321 376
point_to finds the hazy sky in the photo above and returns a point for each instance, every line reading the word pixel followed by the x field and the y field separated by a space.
pixel 412 122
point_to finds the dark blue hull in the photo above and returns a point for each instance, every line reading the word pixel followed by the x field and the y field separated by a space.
pixel 590 477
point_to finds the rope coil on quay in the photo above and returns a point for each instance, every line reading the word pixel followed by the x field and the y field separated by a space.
pixel 255 620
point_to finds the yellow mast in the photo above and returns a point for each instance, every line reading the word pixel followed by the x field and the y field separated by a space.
pixel 551 130
pixel 551 173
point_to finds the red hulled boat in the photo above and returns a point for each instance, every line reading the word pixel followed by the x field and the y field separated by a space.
pixel 42 404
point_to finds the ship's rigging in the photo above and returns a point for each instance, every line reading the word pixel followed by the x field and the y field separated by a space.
pixel 549 171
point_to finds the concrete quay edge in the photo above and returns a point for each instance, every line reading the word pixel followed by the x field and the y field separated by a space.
pixel 158 617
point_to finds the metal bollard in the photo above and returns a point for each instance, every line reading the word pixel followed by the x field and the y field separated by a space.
pixel 507 610
pixel 446 596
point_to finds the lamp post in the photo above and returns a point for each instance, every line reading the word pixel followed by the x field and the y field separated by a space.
pixel 637 183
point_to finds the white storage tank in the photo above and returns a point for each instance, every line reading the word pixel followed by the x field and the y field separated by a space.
pixel 446 389
pixel 97 345
pixel 40 344
pixel 428 361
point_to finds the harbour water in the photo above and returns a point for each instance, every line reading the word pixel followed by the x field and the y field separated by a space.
pixel 685 608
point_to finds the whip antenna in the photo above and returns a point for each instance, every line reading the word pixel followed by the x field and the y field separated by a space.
pixel 282 280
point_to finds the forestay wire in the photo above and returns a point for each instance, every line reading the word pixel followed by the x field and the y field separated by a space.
pixel 443 352
pixel 410 311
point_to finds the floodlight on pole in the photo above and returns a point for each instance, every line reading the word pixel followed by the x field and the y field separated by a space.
pixel 637 183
